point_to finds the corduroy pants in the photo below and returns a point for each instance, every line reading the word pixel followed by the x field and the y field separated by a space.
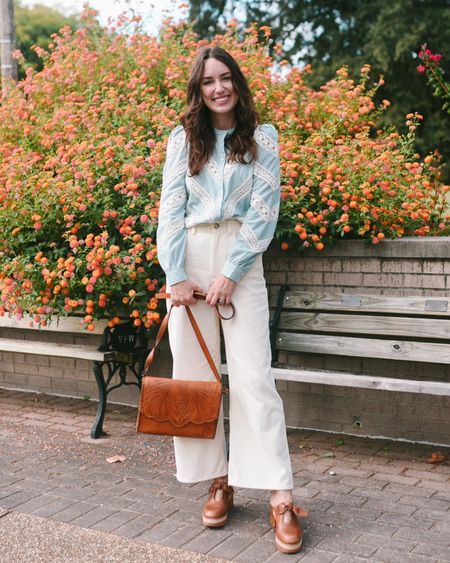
pixel 259 455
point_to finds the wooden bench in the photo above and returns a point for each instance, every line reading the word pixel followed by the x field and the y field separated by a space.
pixel 414 329
pixel 122 351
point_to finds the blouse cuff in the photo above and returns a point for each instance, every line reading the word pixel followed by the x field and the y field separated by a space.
pixel 232 272
pixel 176 276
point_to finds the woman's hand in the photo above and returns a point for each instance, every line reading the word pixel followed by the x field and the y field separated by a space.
pixel 182 293
pixel 220 291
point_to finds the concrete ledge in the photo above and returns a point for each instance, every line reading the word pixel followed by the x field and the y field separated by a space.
pixel 55 324
pixel 407 247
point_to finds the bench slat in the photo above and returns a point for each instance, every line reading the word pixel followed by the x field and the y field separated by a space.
pixel 51 349
pixel 408 306
pixel 342 379
pixel 345 379
pixel 366 324
pixel 364 347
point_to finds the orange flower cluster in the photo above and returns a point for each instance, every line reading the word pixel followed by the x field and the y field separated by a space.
pixel 83 144
pixel 344 178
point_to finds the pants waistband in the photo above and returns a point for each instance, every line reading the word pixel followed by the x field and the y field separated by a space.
pixel 228 226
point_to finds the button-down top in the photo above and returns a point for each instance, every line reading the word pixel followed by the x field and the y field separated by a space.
pixel 249 193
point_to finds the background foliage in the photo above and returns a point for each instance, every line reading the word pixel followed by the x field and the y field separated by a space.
pixel 331 33
pixel 82 144
pixel 35 26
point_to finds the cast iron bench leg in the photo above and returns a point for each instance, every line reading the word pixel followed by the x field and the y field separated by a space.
pixel 275 321
pixel 97 428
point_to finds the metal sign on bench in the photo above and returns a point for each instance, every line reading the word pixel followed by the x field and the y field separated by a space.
pixel 130 346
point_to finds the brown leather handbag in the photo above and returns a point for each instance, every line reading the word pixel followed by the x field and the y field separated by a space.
pixel 179 407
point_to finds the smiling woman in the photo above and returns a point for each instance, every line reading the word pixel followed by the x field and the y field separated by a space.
pixel 219 99
pixel 219 94
pixel 218 212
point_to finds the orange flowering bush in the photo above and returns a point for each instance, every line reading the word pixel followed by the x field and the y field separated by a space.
pixel 82 145
pixel 344 178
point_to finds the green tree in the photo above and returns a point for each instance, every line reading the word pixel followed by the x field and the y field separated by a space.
pixel 208 16
pixel 331 33
pixel 34 26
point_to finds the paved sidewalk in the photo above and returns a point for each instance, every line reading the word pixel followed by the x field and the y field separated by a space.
pixel 373 500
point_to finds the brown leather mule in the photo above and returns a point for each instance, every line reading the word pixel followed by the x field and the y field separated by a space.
pixel 218 504
pixel 288 532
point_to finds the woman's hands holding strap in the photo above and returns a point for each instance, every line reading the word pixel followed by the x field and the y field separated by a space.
pixel 220 291
pixel 182 293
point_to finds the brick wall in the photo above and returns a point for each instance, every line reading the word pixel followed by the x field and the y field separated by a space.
pixel 400 267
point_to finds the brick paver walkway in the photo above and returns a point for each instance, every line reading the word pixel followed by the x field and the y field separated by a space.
pixel 368 499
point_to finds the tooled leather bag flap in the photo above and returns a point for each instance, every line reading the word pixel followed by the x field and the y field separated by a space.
pixel 179 401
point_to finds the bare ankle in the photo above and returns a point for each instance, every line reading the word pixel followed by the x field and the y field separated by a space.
pixel 278 497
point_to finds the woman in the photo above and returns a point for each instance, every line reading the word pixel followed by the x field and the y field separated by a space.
pixel 219 208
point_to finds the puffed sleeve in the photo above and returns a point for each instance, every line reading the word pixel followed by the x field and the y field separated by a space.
pixel 259 222
pixel 171 233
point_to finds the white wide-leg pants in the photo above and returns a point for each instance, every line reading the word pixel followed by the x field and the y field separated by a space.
pixel 259 455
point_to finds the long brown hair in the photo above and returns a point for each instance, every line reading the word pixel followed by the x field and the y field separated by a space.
pixel 197 120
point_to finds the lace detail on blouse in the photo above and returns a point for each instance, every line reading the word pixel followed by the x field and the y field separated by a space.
pixel 264 175
pixel 196 188
pixel 255 244
pixel 179 138
pixel 274 212
pixel 239 194
pixel 175 200
pixel 171 229
pixel 178 170
pixel 265 141
pixel 213 169
pixel 266 212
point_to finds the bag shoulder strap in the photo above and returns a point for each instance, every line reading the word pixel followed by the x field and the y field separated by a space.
pixel 202 343
pixel 198 334
pixel 159 336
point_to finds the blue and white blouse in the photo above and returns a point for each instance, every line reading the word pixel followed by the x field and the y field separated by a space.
pixel 249 193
